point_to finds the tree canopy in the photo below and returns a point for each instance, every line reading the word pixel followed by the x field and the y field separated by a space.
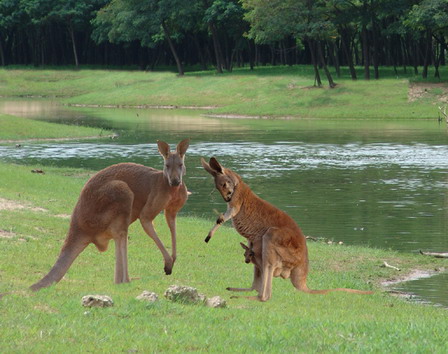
pixel 225 33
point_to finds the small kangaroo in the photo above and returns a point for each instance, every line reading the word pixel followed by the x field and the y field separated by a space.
pixel 113 199
pixel 277 246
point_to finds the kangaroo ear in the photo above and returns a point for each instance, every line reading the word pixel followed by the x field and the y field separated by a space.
pixel 208 168
pixel 182 147
pixel 164 148
pixel 244 246
pixel 233 176
pixel 214 164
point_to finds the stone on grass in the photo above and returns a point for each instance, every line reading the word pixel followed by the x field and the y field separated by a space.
pixel 148 296
pixel 216 302
pixel 184 294
pixel 97 301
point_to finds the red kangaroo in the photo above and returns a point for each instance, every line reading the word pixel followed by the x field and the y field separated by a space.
pixel 277 246
pixel 113 199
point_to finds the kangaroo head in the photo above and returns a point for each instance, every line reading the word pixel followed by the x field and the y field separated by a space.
pixel 225 179
pixel 174 167
pixel 248 253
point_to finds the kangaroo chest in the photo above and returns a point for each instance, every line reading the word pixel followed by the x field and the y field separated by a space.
pixel 248 225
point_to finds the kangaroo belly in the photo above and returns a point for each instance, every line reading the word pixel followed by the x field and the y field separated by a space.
pixel 247 228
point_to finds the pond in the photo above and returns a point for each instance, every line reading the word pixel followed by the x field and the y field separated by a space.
pixel 377 183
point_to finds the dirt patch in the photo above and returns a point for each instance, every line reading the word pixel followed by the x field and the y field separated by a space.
pixel 244 116
pixel 6 234
pixel 6 204
pixel 413 275
pixel 419 90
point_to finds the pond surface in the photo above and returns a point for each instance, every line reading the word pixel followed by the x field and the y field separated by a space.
pixel 375 183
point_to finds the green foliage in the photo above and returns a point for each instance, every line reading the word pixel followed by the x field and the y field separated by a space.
pixel 126 21
pixel 429 15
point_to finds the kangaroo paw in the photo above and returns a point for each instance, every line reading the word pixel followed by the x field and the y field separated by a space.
pixel 168 269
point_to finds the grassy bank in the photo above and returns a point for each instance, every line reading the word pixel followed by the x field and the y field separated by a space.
pixel 266 91
pixel 18 128
pixel 33 225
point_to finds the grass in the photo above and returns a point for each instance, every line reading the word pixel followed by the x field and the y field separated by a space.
pixel 53 318
pixel 18 128
pixel 266 91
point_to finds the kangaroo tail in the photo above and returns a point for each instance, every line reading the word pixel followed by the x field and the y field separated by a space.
pixel 68 254
pixel 326 291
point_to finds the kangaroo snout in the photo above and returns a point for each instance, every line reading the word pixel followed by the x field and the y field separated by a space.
pixel 175 182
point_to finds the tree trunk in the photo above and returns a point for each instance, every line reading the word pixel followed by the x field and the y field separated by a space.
pixel 375 50
pixel 365 52
pixel 180 68
pixel 436 60
pixel 334 57
pixel 200 54
pixel 324 65
pixel 2 54
pixel 251 57
pixel 72 36
pixel 317 80
pixel 217 47
pixel 348 54
pixel 427 57
pixel 415 58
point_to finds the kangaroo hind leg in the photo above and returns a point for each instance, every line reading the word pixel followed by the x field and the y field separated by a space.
pixel 120 236
pixel 118 219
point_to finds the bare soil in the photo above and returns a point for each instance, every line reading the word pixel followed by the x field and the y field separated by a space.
pixel 6 204
pixel 419 90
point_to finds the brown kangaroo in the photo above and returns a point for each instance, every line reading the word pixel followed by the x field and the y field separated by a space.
pixel 277 246
pixel 113 199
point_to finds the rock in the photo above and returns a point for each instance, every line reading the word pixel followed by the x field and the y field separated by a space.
pixel 148 296
pixel 184 294
pixel 97 301
pixel 216 302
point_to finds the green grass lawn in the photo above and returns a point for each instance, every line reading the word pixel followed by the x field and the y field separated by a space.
pixel 54 320
pixel 266 91
pixel 15 128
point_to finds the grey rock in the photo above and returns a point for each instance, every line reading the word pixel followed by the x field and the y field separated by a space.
pixel 216 302
pixel 183 294
pixel 148 296
pixel 97 301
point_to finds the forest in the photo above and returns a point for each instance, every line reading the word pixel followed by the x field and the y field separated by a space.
pixel 223 34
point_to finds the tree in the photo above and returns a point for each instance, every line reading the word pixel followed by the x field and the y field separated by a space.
pixel 146 21
pixel 305 20
pixel 431 18
pixel 11 15
pixel 74 14
pixel 226 15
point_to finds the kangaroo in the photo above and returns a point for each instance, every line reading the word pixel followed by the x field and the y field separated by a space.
pixel 277 246
pixel 113 199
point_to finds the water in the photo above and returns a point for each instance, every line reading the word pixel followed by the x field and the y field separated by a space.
pixel 382 184
pixel 430 290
